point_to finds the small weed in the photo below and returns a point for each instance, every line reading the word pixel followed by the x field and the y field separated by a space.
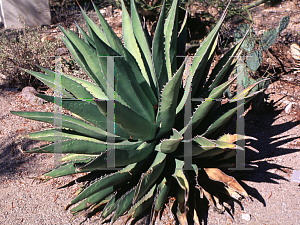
pixel 25 49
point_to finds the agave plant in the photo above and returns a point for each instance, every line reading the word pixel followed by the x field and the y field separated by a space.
pixel 159 146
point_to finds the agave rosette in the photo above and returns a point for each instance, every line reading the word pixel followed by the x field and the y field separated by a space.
pixel 150 130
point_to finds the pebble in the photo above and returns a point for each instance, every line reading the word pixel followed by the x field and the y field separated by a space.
pixel 288 108
pixel 28 93
pixel 246 216
pixel 2 79
pixel 62 51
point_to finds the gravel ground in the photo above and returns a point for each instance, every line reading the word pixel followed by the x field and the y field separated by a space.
pixel 275 197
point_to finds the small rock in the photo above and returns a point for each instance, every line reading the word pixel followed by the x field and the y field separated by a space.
pixel 288 108
pixel 102 11
pixel 47 38
pixel 28 93
pixel 62 51
pixel 295 51
pixel 29 89
pixel 107 11
pixel 246 217
pixel 3 79
pixel 2 76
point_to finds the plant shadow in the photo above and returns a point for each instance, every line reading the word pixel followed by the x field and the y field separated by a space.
pixel 12 158
pixel 270 139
